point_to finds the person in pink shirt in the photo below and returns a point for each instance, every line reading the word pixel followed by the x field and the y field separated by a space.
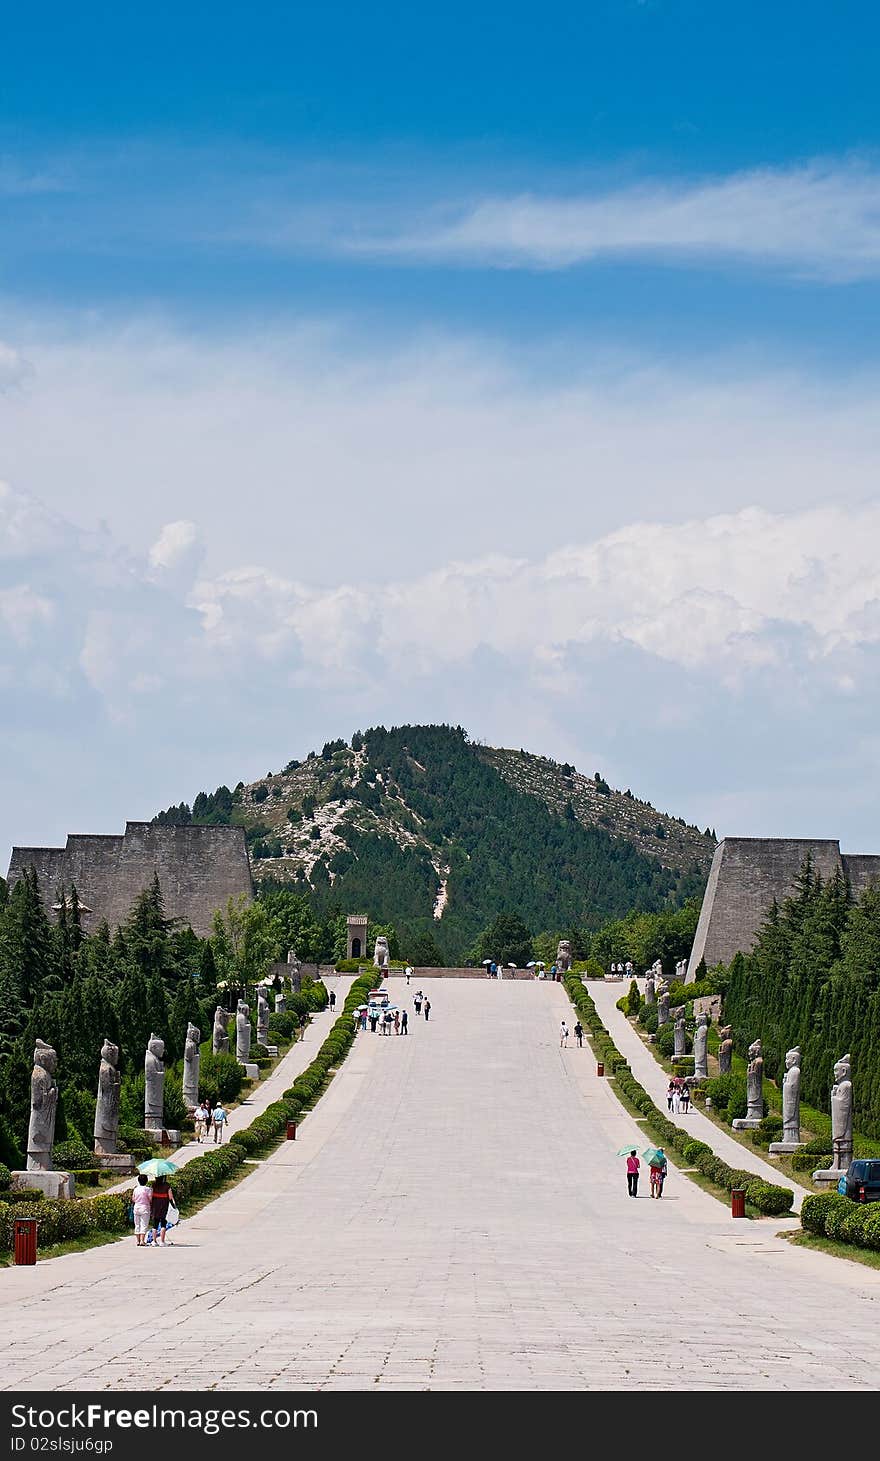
pixel 141 1201
pixel 632 1173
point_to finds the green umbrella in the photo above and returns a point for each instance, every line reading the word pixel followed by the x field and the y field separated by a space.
pixel 625 1150
pixel 157 1167
pixel 654 1157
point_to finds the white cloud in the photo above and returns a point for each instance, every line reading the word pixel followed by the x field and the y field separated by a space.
pixel 821 219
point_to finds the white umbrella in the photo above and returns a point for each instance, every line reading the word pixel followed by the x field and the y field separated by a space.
pixel 532 965
pixel 487 962
pixel 511 966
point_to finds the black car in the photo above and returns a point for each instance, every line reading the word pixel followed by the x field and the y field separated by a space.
pixel 863 1180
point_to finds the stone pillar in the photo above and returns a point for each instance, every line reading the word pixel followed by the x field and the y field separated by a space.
pixel 242 1033
pixel 679 1030
pixel 262 1016
pixel 650 992
pixel 663 1005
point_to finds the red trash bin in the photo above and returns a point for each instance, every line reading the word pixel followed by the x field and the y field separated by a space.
pixel 26 1240
pixel 600 1067
pixel 291 1131
pixel 738 1202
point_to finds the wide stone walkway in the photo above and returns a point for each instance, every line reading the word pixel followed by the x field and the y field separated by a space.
pixel 452 1216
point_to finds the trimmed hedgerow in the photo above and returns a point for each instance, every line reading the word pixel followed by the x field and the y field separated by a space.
pixel 833 1215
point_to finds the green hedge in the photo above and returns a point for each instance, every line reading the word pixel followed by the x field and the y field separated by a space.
pixel 765 1196
pixel 832 1215
pixel 61 1220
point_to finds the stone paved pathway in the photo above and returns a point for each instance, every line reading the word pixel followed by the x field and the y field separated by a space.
pixel 452 1216
pixel 653 1077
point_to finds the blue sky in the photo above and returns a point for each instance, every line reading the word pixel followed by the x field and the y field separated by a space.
pixel 514 365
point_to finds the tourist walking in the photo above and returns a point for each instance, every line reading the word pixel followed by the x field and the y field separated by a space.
pixel 685 1097
pixel 141 1202
pixel 658 1172
pixel 427 1008
pixel 374 1020
pixel 417 1001
pixel 397 1022
pixel 563 1033
pixel 404 1023
pixel 409 972
pixel 579 1033
pixel 387 1022
pixel 200 1116
pixel 331 1000
pixel 670 1092
pixel 676 1099
pixel 219 1120
pixel 162 1196
pixel 632 1173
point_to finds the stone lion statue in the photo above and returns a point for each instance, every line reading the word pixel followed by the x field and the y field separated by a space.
pixel 380 953
pixel 563 956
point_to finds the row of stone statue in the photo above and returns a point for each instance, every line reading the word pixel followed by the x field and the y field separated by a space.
pixel 44 1089
pixel 841 1106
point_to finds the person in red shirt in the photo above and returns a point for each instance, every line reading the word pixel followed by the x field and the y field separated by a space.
pixel 632 1173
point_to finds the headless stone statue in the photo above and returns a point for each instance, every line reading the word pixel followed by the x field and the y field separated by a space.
pixel 243 1033
pixel 563 956
pixel 262 1017
pixel 791 1097
pixel 154 1084
pixel 725 1050
pixel 280 1003
pixel 650 988
pixel 842 1113
pixel 220 1033
pixel 191 1061
pixel 701 1058
pixel 679 1034
pixel 755 1082
pixel 107 1105
pixel 44 1106
pixel 380 952
pixel 663 1004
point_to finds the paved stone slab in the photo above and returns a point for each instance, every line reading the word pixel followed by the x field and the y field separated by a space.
pixel 452 1216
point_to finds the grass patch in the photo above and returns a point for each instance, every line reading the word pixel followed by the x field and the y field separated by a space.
pixel 865 1256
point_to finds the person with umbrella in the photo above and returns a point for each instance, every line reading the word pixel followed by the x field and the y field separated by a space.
pixel 160 1170
pixel 656 1159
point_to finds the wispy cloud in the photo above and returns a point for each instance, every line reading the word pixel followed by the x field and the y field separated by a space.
pixel 822 220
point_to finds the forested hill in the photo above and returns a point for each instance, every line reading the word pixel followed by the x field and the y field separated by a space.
pixel 421 827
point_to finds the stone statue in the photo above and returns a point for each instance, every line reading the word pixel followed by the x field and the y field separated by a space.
pixel 679 1028
pixel 107 1106
pixel 563 956
pixel 380 953
pixel 154 1084
pixel 44 1105
pixel 220 1033
pixel 701 1057
pixel 262 1016
pixel 650 990
pixel 663 1004
pixel 243 1033
pixel 725 1050
pixel 191 1061
pixel 842 1113
pixel 755 1082
pixel 280 1003
pixel 791 1097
